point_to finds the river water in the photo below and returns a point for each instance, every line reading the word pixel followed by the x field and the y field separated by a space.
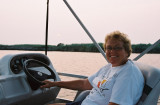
pixel 81 63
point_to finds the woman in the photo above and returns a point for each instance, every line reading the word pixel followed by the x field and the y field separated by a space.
pixel 118 83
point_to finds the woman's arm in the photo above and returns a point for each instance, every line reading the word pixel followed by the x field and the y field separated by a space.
pixel 82 84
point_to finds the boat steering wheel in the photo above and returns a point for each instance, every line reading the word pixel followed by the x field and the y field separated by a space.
pixel 35 77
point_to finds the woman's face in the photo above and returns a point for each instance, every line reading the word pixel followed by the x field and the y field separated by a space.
pixel 115 52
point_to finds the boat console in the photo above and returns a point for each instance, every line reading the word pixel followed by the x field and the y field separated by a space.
pixel 21 75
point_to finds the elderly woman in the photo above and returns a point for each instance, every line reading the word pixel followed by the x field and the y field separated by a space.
pixel 118 83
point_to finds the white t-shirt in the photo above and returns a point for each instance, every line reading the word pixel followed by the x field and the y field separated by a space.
pixel 122 85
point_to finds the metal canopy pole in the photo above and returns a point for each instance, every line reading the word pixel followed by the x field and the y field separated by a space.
pixel 85 29
pixel 147 50
pixel 47 18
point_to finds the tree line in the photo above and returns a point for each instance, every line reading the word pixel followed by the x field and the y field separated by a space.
pixel 137 48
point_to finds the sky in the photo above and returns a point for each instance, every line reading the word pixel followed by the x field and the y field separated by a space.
pixel 24 21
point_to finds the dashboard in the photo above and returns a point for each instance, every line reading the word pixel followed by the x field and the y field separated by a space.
pixel 16 63
pixel 17 88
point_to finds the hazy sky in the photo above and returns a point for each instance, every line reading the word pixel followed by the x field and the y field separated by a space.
pixel 24 21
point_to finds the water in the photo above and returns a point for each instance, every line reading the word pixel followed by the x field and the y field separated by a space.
pixel 81 63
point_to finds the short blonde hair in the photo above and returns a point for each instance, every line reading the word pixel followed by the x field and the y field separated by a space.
pixel 122 37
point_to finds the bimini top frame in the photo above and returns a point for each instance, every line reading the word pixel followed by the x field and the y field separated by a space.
pixel 82 25
pixel 88 33
pixel 99 48
pixel 47 18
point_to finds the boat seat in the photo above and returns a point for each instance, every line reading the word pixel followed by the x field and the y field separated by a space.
pixel 82 95
pixel 151 89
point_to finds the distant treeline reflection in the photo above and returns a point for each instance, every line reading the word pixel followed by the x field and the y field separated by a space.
pixel 137 48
